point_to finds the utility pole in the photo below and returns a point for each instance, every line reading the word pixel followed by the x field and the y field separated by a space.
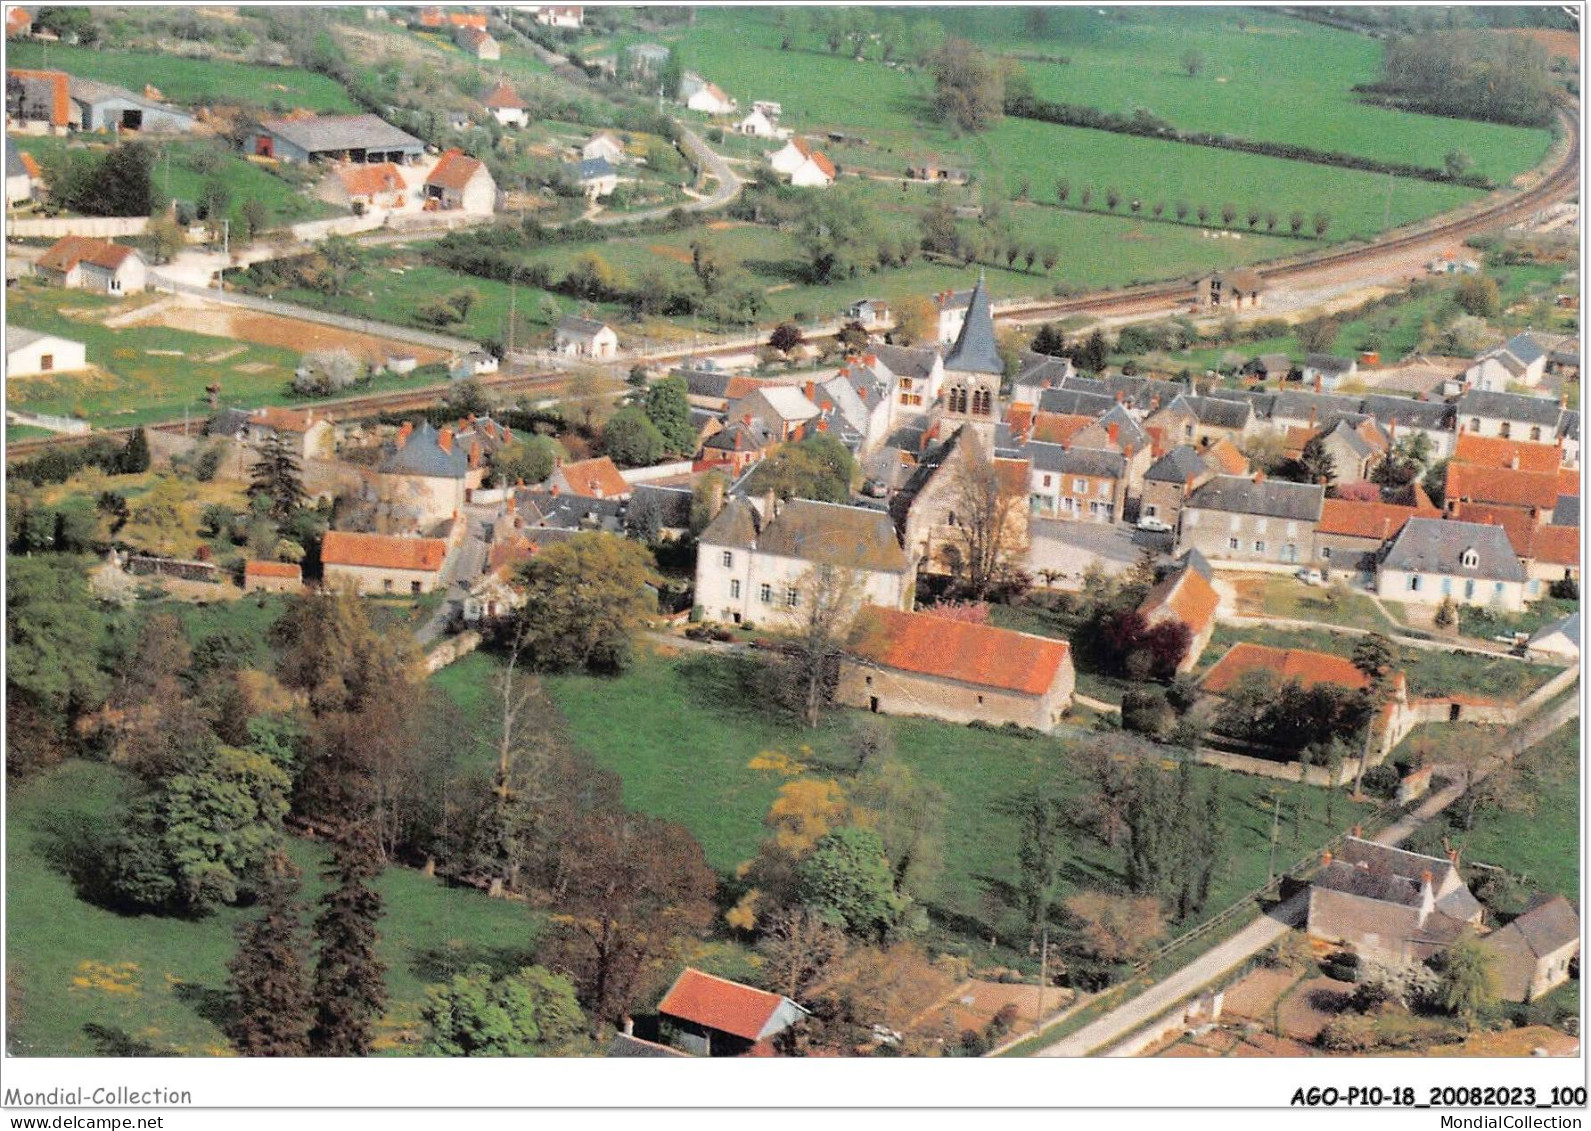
pixel 1386 218
pixel 513 291
pixel 1276 821
pixel 226 252
pixel 1044 974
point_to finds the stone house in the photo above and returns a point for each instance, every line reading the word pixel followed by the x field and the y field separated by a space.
pixel 272 577
pixel 1389 903
pixel 1327 373
pixel 1512 416
pixel 1187 597
pixel 461 183
pixel 902 663
pixel 1471 563
pixel 1082 484
pixel 1252 520
pixel 1351 534
pixel 507 106
pixel 1169 481
pixel 366 187
pixel 755 561
pixel 585 337
pixel 597 478
pixel 383 563
pixel 1532 954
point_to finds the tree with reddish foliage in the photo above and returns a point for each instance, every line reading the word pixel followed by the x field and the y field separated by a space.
pixel 785 337
pixel 628 888
pixel 967 612
pixel 1358 492
pixel 1139 650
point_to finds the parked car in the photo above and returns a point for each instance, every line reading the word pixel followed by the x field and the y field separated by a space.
pixel 1154 525
pixel 1310 577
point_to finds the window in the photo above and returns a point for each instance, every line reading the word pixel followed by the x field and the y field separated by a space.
pixel 46 362
pixel 1414 583
pixel 1259 545
pixel 1325 553
pixel 729 559
pixel 1103 489
pixel 1187 431
pixel 1504 429
pixel 1535 586
pixel 1497 589
pixel 980 700
pixel 1231 543
pixel 734 590
pixel 386 585
pixel 1080 486
pixel 1469 588
pixel 1290 552
pixel 1474 424
pixel 792 597
pixel 1046 480
pixel 1447 586
pixel 869 680
pixel 1150 510
pixel 950 518
pixel 1535 429
pixel 414 588
pixel 905 382
pixel 1469 559
pixel 766 593
pixel 982 403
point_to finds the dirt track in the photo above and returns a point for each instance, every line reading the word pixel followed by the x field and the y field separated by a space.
pixel 241 325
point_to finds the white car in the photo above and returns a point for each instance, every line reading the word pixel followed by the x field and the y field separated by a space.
pixel 1310 577
pixel 1154 525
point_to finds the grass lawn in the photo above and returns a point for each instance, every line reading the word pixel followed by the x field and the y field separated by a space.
pixel 681 731
pixel 1293 600
pixel 1431 674
pixel 181 179
pixel 191 82
pixel 1543 842
pixel 88 981
pixel 1484 623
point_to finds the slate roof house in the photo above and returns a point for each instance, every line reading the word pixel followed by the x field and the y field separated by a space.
pixel 707 1015
pixel 585 337
pixel 1082 484
pixel 1169 481
pixel 1532 954
pixel 901 663
pixel 595 177
pixel 1389 903
pixel 1252 520
pixel 1326 372
pixel 1561 638
pixel 754 559
pixel 1513 416
pixel 1471 563
pixel 1352 534
pixel 345 137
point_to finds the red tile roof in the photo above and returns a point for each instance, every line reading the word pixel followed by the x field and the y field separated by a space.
pixel 1466 481
pixel 1368 520
pixel 1186 596
pixel 1492 451
pixel 1019 415
pixel 67 252
pixel 717 1003
pixel 284 419
pixel 382 551
pixel 17 20
pixel 473 37
pixel 1057 427
pixel 1228 457
pixel 290 570
pixel 594 478
pixel 1569 481
pixel 368 180
pixel 967 653
pixel 31 165
pixel 504 97
pixel 822 161
pixel 1014 475
pixel 1308 668
pixel 467 19
pixel 60 92
pixel 1557 545
pixel 1517 522
pixel 454 170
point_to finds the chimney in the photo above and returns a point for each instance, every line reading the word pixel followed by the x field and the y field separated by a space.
pixel 475 454
pixel 1358 831
pixel 1513 461
pixel 1452 857
pixel 629 1026
pixel 1312 411
pixel 404 433
pixel 444 439
pixel 812 390
pixel 1259 476
pixel 1112 431
pixel 1325 858
pixel 1317 383
pixel 1120 396
pixel 1425 878
pixel 513 503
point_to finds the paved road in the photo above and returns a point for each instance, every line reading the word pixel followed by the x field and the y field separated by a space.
pixel 1144 1008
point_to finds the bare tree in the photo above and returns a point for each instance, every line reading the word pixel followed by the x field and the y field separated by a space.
pixel 988 533
pixel 801 949
pixel 518 787
pixel 828 598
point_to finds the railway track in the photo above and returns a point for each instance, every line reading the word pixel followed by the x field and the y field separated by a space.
pixel 1561 182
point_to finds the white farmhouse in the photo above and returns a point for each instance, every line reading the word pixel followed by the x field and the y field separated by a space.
pixel 32 354
pixel 585 337
pixel 710 100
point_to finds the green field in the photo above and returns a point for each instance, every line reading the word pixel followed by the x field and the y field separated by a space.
pixel 739 49
pixel 680 732
pixel 135 386
pixel 1541 842
pixel 191 82
pixel 1265 76
pixel 86 981
pixel 177 176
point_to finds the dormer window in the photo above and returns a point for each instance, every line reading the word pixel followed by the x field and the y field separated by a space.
pixel 1469 559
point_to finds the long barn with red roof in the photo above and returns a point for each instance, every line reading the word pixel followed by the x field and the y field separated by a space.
pixel 900 663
